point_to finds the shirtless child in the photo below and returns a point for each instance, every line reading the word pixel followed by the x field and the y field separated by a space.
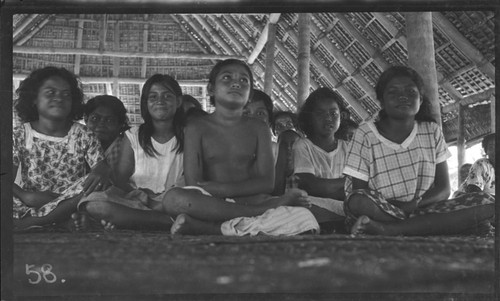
pixel 227 157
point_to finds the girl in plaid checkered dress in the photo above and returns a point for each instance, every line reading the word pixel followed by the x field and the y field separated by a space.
pixel 400 182
pixel 60 160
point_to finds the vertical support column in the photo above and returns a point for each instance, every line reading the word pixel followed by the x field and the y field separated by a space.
pixel 79 43
pixel 461 138
pixel 493 115
pixel 145 47
pixel 270 49
pixel 116 60
pixel 304 57
pixel 421 55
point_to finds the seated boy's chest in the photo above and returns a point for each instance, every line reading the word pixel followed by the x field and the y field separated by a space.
pixel 219 149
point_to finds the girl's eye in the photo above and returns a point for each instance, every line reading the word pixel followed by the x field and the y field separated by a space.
pixel 245 80
pixel 261 113
pixel 226 77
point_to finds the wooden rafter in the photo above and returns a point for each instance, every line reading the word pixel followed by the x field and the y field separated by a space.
pixel 125 54
pixel 463 44
pixel 486 95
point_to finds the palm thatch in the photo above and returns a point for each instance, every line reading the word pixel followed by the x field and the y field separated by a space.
pixel 115 53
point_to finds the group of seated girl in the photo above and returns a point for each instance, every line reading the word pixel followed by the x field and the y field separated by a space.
pixel 244 169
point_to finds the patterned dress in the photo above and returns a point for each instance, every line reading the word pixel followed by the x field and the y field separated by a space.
pixel 56 164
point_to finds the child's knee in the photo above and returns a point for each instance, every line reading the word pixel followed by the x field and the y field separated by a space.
pixel 357 204
pixel 175 201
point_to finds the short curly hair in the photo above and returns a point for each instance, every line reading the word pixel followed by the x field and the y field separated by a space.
pixel 28 92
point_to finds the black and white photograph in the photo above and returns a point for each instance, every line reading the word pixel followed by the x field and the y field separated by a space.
pixel 249 150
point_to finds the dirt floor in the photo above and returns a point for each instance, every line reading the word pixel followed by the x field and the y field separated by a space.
pixel 141 265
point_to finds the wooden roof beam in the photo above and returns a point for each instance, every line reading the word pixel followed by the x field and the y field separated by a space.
pixel 261 42
pixel 214 35
pixel 35 30
pixel 122 80
pixel 96 52
pixel 341 89
pixel 342 59
pixel 487 95
pixel 26 21
pixel 463 44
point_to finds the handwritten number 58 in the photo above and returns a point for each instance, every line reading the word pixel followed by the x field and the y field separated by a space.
pixel 45 273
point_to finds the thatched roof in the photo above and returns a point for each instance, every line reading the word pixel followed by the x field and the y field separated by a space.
pixel 115 53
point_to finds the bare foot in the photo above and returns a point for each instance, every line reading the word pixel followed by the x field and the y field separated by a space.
pixel 108 226
pixel 186 225
pixel 365 225
pixel 83 222
pixel 292 197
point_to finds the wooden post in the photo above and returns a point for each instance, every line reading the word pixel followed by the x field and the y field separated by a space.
pixel 79 43
pixel 270 49
pixel 421 55
pixel 145 35
pixel 461 137
pixel 492 110
pixel 304 57
pixel 116 60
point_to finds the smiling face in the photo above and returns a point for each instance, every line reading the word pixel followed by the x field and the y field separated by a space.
pixel 162 102
pixel 326 118
pixel 104 123
pixel 231 88
pixel 54 101
pixel 401 98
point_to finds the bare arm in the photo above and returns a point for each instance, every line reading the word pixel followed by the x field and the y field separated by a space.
pixel 359 184
pixel 35 199
pixel 320 187
pixel 125 167
pixel 193 165
pixel 284 162
pixel 441 189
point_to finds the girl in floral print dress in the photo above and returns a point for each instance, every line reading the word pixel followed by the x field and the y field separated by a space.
pixel 60 160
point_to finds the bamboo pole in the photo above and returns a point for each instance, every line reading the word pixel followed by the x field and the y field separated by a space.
pixel 145 33
pixel 485 95
pixel 304 57
pixel 123 80
pixel 79 42
pixel 270 48
pixel 96 52
pixel 24 24
pixel 34 30
pixel 463 44
pixel 421 56
pixel 461 137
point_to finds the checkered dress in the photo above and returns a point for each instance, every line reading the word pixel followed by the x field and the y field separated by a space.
pixel 401 172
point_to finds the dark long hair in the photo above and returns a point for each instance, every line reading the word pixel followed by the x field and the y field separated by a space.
pixel 217 68
pixel 306 114
pixel 424 113
pixel 146 129
pixel 28 92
